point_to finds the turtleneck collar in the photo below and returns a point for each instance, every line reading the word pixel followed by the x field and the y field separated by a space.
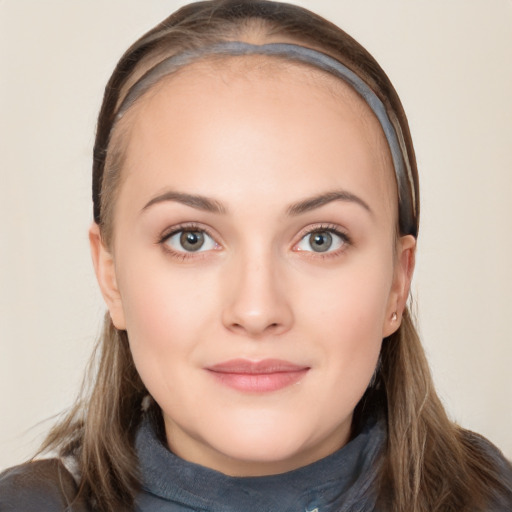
pixel 341 482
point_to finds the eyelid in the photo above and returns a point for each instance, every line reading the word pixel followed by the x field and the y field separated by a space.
pixel 186 226
pixel 194 226
pixel 334 229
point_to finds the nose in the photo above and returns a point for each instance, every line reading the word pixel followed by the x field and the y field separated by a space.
pixel 257 299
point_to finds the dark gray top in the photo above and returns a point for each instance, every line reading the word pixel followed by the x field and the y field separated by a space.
pixel 341 482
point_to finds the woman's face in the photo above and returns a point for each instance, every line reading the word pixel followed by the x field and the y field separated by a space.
pixel 254 263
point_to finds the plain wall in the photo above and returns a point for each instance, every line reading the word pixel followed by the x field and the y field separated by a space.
pixel 451 64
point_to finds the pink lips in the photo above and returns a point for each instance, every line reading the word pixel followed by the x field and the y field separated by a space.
pixel 258 376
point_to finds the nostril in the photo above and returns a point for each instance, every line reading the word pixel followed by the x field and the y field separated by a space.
pixel 255 329
pixel 272 328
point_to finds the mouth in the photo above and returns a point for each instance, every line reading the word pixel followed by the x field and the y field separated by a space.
pixel 257 376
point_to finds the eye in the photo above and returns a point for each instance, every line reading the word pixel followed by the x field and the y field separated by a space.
pixel 190 240
pixel 322 240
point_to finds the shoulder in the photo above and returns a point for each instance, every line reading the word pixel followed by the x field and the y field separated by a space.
pixel 499 478
pixel 492 452
pixel 42 486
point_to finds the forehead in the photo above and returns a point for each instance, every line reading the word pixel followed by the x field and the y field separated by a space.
pixel 264 93
pixel 262 72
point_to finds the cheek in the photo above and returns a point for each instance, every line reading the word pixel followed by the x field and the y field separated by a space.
pixel 166 315
pixel 350 299
pixel 345 313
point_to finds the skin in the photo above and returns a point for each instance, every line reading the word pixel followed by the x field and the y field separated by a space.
pixel 256 138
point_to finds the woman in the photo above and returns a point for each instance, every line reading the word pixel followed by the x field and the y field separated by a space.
pixel 256 212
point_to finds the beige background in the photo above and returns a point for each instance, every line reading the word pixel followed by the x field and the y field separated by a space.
pixel 450 61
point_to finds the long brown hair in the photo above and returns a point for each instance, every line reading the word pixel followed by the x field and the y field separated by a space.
pixel 430 464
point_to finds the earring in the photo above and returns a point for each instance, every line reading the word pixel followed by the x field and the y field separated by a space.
pixel 394 317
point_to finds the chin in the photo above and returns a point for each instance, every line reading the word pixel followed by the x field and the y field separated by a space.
pixel 271 447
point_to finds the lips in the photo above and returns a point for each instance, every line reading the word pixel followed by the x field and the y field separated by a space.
pixel 257 376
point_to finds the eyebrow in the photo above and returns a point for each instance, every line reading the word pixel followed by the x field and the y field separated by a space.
pixel 195 201
pixel 212 205
pixel 322 199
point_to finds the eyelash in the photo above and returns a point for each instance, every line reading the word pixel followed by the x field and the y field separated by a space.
pixel 184 255
pixel 330 228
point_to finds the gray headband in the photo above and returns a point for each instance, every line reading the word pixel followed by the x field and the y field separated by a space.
pixel 392 131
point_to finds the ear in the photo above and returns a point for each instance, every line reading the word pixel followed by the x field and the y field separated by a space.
pixel 106 275
pixel 404 268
